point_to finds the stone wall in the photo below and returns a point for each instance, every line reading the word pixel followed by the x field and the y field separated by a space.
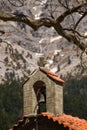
pixel 54 94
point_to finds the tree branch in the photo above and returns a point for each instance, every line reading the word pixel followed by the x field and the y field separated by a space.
pixel 69 12
pixel 33 23
pixel 75 32
pixel 48 22
pixel 69 36
pixel 19 3
pixel 80 20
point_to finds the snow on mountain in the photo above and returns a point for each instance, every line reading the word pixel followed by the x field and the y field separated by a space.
pixel 15 61
pixel 24 47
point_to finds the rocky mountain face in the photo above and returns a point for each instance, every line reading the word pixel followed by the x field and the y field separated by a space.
pixel 22 47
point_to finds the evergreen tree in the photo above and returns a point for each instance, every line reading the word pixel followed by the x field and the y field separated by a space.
pixel 11 104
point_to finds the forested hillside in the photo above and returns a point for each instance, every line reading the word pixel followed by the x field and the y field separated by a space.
pixel 75 96
pixel 11 104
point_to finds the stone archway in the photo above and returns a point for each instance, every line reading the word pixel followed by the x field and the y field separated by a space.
pixel 40 92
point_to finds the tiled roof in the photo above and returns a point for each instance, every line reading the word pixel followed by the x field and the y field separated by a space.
pixel 67 121
pixel 49 73
pixel 73 123
pixel 52 75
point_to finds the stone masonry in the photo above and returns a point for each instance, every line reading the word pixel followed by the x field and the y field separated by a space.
pixel 54 94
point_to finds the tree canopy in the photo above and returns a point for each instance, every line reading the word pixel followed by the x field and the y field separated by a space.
pixel 75 96
pixel 11 104
pixel 57 13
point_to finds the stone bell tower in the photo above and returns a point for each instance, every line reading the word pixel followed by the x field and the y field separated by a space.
pixel 43 92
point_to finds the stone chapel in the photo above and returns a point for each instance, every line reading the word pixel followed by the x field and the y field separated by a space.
pixel 43 104
pixel 43 92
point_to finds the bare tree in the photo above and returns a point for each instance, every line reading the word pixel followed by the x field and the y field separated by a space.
pixel 67 17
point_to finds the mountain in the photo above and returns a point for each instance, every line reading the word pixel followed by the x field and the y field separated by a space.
pixel 19 54
pixel 22 47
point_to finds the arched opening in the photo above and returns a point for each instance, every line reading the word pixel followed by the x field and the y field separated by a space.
pixel 40 91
